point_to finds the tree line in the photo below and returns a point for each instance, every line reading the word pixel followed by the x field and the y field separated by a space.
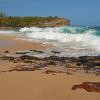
pixel 16 21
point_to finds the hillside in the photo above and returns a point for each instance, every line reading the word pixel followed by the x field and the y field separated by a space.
pixel 14 22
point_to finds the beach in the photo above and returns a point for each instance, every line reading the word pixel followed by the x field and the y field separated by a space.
pixel 49 50
pixel 37 85
pixel 14 43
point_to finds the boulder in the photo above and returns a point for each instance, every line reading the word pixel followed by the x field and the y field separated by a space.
pixel 88 86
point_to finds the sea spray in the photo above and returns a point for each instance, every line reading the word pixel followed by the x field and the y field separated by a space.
pixel 8 32
pixel 77 36
pixel 71 41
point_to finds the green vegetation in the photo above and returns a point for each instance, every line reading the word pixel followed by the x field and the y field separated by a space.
pixel 12 21
pixel 2 15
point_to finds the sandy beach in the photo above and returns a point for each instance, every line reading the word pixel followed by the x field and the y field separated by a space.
pixel 49 50
pixel 36 85
pixel 14 43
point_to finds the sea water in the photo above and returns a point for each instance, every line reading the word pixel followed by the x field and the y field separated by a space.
pixel 71 41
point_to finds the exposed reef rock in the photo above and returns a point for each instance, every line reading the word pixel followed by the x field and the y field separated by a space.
pixel 23 68
pixel 88 86
pixel 89 64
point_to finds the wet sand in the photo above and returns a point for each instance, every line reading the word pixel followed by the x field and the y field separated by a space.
pixel 14 43
pixel 36 85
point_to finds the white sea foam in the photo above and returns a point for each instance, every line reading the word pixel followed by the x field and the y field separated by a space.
pixel 74 40
pixel 6 31
pixel 73 35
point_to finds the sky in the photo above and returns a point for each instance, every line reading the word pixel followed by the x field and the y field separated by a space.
pixel 80 12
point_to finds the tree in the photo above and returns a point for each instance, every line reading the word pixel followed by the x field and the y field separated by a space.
pixel 2 15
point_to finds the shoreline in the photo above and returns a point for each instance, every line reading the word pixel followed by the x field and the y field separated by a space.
pixel 26 77
pixel 19 43
pixel 10 27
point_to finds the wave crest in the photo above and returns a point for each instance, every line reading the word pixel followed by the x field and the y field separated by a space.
pixel 81 36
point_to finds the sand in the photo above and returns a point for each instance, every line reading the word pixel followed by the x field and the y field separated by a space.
pixel 14 43
pixel 36 85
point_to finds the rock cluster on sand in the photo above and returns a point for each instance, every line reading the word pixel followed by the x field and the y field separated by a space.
pixel 23 68
pixel 88 86
pixel 31 60
pixel 90 64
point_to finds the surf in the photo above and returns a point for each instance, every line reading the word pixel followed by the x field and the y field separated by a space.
pixel 71 41
pixel 76 36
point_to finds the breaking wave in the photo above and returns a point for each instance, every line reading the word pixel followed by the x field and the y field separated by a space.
pixel 7 31
pixel 87 37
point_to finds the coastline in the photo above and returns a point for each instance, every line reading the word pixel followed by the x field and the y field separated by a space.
pixel 38 85
pixel 9 27
pixel 14 43
pixel 29 21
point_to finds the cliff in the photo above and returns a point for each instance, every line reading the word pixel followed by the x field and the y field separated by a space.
pixel 15 22
pixel 57 23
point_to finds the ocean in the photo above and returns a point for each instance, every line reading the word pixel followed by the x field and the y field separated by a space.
pixel 71 41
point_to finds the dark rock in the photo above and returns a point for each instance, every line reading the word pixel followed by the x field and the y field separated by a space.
pixel 51 63
pixel 89 65
pixel 56 52
pixel 73 59
pixel 6 51
pixel 56 58
pixel 41 65
pixel 96 63
pixel 83 58
pixel 22 52
pixel 24 68
pixel 29 57
pixel 88 86
pixel 78 64
pixel 56 71
pixel 49 71
pixel 68 73
pixel 38 51
pixel 31 50
pixel 27 61
pixel 10 58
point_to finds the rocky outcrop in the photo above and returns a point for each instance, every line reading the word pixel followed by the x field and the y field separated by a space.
pixel 19 22
pixel 23 68
pixel 88 86
pixel 57 23
pixel 89 64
